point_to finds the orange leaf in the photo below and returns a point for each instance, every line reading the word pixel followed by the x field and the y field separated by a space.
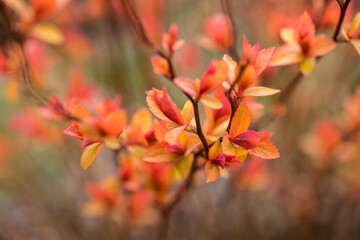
pixel 74 131
pixel 247 78
pixel 286 55
pixel 241 121
pixel 266 150
pixel 250 52
pixel 304 28
pixel 212 172
pixel 322 45
pixel 157 153
pixel 215 150
pixel 186 85
pixel 162 106
pixel 114 122
pixel 213 77
pixel 219 30
pixel 80 112
pixel 90 154
pixel 263 59
pixel 160 65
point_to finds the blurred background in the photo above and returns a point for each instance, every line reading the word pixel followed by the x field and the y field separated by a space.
pixel 311 192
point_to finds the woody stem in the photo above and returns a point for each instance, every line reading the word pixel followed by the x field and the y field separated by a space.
pixel 140 32
pixel 231 100
pixel 227 9
pixel 343 9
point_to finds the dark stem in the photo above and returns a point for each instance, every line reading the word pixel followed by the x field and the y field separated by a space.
pixel 136 22
pixel 183 189
pixel 290 88
pixel 227 9
pixel 140 32
pixel 199 129
pixel 233 103
pixel 343 9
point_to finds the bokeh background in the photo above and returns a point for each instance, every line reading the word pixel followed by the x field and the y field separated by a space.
pixel 311 192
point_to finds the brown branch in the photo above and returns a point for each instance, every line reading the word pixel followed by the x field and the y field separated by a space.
pixel 284 96
pixel 12 44
pixel 137 24
pixel 343 8
pixel 182 190
pixel 141 33
pixel 227 9
pixel 232 101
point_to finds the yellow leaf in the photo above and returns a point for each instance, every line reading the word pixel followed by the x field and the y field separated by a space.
pixel 211 102
pixel 48 33
pixel 157 153
pixel 183 166
pixel 260 91
pixel 187 112
pixel 11 90
pixel 231 67
pixel 172 135
pixel 215 150
pixel 212 172
pixel 90 154
pixel 80 112
pixel 112 142
pixel 307 65
pixel 356 44
pixel 288 35
pixel 322 45
pixel 355 23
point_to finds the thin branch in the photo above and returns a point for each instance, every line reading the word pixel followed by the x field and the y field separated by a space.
pixel 227 9
pixel 141 33
pixel 182 190
pixel 199 129
pixel 284 96
pixel 232 101
pixel 136 22
pixel 12 44
pixel 343 9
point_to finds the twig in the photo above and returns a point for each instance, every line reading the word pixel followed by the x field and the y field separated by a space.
pixel 233 103
pixel 136 22
pixel 12 44
pixel 343 9
pixel 227 9
pixel 284 96
pixel 140 32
